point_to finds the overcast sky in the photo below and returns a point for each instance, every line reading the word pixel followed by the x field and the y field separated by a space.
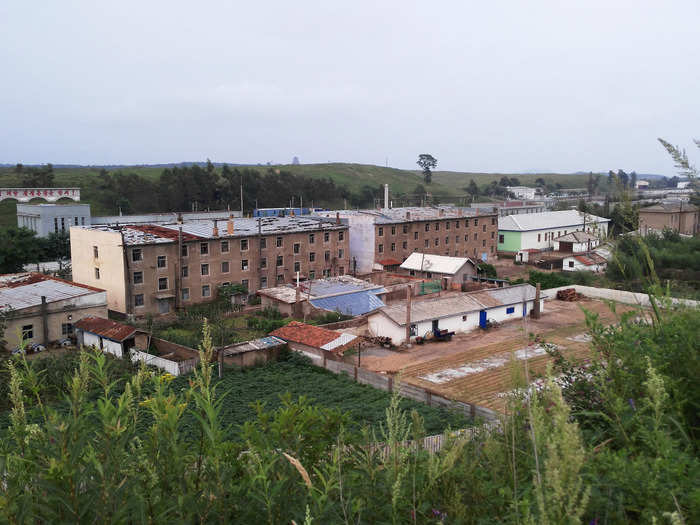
pixel 559 85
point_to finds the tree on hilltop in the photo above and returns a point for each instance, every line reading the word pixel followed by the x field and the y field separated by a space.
pixel 427 163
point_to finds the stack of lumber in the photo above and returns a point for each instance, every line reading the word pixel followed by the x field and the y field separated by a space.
pixel 568 294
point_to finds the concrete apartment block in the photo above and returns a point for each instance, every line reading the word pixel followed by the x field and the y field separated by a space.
pixel 158 268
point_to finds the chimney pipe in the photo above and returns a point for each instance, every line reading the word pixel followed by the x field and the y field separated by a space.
pixel 215 232
pixel 408 215
pixel 229 225
pixel 442 212
pixel 337 217
pixel 44 321
pixel 408 314
pixel 535 313
pixel 386 196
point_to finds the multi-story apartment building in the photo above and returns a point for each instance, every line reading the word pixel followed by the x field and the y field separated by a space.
pixel 387 237
pixel 678 216
pixel 155 268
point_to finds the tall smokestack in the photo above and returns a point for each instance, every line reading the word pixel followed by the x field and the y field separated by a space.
pixel 386 196
pixel 535 314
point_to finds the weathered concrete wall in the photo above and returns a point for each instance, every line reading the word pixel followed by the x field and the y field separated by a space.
pixel 171 367
pixel 620 296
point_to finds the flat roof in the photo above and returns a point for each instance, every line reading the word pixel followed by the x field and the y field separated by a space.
pixel 409 213
pixel 546 220
pixel 136 234
pixel 25 290
pixel 324 287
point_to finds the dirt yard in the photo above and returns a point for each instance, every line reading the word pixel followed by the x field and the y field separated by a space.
pixel 475 367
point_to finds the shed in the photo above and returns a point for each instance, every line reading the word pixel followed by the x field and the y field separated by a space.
pixel 449 269
pixel 315 342
pixel 107 335
pixel 458 313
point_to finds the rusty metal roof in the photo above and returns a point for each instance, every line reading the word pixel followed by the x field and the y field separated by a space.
pixel 106 328
pixel 314 336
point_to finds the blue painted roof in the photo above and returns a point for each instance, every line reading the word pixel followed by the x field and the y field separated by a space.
pixel 357 303
pixel 331 287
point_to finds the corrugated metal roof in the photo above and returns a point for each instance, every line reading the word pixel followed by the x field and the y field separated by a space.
pixel 546 220
pixel 435 263
pixel 25 290
pixel 343 340
pixel 106 328
pixel 356 303
pixel 577 237
pixel 250 346
pixel 459 304
pixel 342 284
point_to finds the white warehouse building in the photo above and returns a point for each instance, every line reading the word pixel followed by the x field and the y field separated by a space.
pixel 459 313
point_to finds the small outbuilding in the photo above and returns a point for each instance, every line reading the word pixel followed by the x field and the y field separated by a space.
pixel 576 242
pixel 457 313
pixel 316 342
pixel 450 270
pixel 107 335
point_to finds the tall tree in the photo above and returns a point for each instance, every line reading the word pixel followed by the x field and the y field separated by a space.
pixel 427 163
pixel 19 247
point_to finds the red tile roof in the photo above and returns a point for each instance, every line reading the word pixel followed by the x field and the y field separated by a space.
pixel 166 233
pixel 310 335
pixel 590 259
pixel 389 262
pixel 105 328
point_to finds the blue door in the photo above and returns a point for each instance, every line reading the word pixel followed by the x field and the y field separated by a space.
pixel 482 318
pixel 524 309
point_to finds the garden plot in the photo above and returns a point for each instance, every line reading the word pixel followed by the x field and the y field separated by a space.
pixel 496 361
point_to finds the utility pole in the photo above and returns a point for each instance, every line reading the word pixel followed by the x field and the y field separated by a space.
pixel 241 194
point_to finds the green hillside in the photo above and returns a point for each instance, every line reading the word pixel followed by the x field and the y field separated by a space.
pixel 354 177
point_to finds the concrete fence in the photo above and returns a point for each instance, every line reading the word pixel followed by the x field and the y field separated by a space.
pixel 389 383
pixel 620 296
pixel 175 368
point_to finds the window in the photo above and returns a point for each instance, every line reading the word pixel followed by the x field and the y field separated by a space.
pixel 427 227
pixel 437 226
pixel 138 299
pixel 82 221
pixel 136 255
pixel 427 243
pixel 483 228
pixel 340 253
pixel 97 273
pixel 571 264
pixel 263 263
pixel 263 282
pixel 493 221
pixel 297 246
pixel 63 224
pixel 415 236
pixel 312 256
pixel 393 230
pixel 244 265
pixel 244 282
pixel 483 242
pixel 244 245
pixel 138 277
pixel 312 238
pixel 447 240
pixel 263 243
pixel 185 294
pixel 55 224
pixel 437 242
pixel 95 252
pixel 162 283
pixel 280 278
pixel 456 224
pixel 546 235
pixel 161 261
pixel 27 332
pixel 493 235
pixel 381 248
pixel 280 260
pixel 327 272
pixel 405 228
pixel 447 225
pixel 312 274
pixel 204 269
pixel 475 236
pixel 476 222
pixel 404 245
pixel 326 237
pixel 510 309
pixel 278 242
pixel 224 245
pixel 341 236
pixel 224 267
pixel 457 237
pixel 184 251
pixel 185 271
pixel 297 267
pixel 466 223
pixel 66 329
pixel 539 237
pixel 464 317
pixel 501 239
pixel 413 329
pixel 466 238
pixel 206 291
pixel 204 248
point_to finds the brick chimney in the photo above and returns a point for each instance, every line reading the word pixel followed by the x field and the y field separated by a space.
pixel 408 215
pixel 337 217
pixel 215 232
pixel 229 225
pixel 442 212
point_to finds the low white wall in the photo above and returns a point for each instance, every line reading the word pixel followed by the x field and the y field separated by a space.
pixel 172 367
pixel 104 344
pixel 620 296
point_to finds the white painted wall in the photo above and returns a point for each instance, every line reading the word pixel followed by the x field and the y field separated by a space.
pixel 579 266
pixel 361 239
pixel 172 367
pixel 621 296
pixel 528 239
pixel 106 345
